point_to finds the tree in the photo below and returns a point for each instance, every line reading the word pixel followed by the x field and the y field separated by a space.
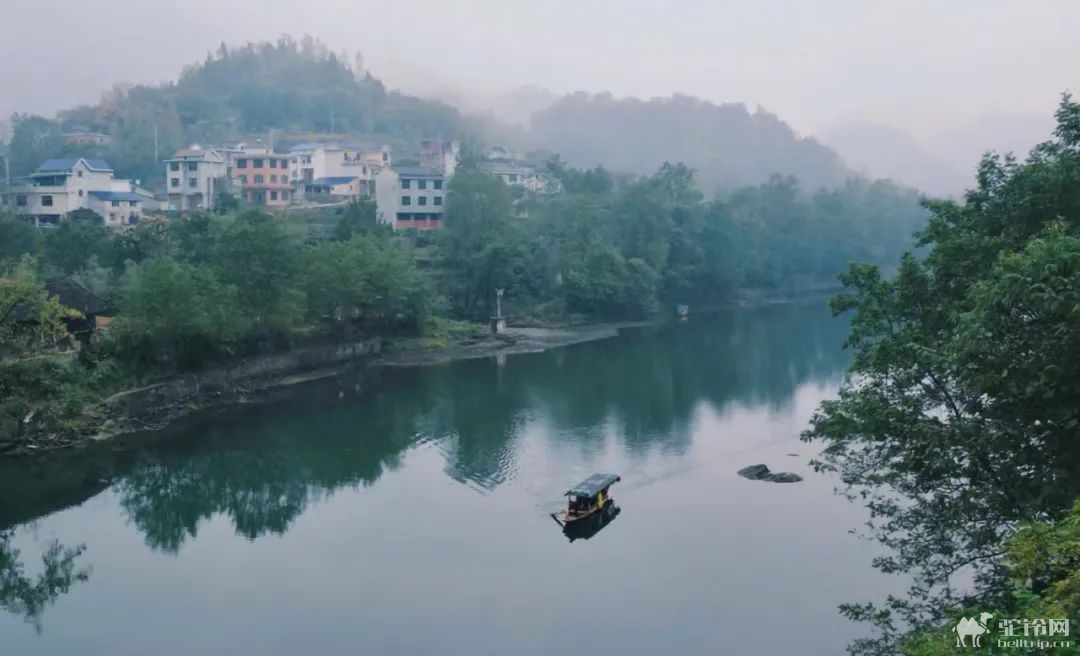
pixel 29 317
pixel 17 238
pixel 358 218
pixel 477 243
pixel 256 257
pixel 34 139
pixel 78 237
pixel 176 317
pixel 959 420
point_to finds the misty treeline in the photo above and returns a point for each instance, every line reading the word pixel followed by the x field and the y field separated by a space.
pixel 726 144
pixel 620 247
pixel 235 94
pixel 959 424
pixel 302 90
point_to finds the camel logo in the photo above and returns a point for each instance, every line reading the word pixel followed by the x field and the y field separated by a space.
pixel 972 627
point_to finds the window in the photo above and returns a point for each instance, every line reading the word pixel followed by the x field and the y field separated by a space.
pixel 193 166
pixel 259 178
pixel 421 200
pixel 273 195
pixel 174 166
pixel 438 200
pixel 243 179
pixel 285 195
pixel 273 163
pixel 256 163
pixel 405 200
pixel 421 184
pixel 80 193
pixel 513 178
pixel 273 178
pixel 112 218
pixel 405 183
pixel 20 201
pixel 438 184
pixel 241 163
pixel 46 201
pixel 116 203
pixel 79 173
pixel 175 182
pixel 193 182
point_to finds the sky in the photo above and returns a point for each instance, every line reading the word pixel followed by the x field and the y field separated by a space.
pixel 919 64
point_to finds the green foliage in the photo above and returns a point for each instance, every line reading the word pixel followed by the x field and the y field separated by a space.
pixel 618 251
pixel 358 218
pixel 18 237
pixel 364 282
pixel 29 318
pixel 176 316
pixel 960 418
pixel 78 238
pixel 256 256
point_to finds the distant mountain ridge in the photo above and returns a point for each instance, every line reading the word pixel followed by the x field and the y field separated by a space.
pixel 728 145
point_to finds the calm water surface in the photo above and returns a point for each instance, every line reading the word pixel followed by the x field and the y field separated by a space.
pixel 411 516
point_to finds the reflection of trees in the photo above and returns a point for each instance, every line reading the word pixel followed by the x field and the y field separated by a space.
pixel 28 596
pixel 263 466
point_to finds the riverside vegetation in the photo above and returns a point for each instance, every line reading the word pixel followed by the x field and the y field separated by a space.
pixel 958 426
pixel 217 287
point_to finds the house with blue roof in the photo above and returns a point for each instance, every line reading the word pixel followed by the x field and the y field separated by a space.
pixel 64 185
pixel 313 164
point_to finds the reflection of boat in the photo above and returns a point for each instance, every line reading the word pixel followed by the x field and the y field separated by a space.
pixel 682 310
pixel 588 498
pixel 590 526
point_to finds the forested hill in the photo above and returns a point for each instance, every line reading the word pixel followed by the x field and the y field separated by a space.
pixel 236 92
pixel 727 145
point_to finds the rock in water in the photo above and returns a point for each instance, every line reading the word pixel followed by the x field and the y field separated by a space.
pixel 754 472
pixel 784 477
pixel 762 473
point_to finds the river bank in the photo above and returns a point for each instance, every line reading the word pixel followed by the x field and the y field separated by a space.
pixel 154 407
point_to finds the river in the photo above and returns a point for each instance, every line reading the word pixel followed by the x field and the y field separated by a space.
pixel 406 511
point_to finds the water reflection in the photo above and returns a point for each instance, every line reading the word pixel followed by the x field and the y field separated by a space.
pixel 589 527
pixel 261 467
pixel 27 596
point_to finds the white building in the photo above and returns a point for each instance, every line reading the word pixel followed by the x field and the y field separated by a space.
pixel 309 162
pixel 440 154
pixel 512 168
pixel 61 186
pixel 410 198
pixel 191 175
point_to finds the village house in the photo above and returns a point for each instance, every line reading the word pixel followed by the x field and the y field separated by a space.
pixel 409 197
pixel 440 155
pixel 192 175
pixel 316 168
pixel 264 177
pixel 512 168
pixel 62 186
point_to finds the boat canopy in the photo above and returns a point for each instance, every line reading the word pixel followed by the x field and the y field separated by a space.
pixel 592 485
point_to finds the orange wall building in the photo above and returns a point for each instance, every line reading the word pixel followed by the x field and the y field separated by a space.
pixel 264 177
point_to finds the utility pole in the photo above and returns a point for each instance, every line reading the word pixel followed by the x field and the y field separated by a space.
pixel 156 156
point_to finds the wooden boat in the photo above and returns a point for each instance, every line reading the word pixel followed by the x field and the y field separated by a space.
pixel 588 498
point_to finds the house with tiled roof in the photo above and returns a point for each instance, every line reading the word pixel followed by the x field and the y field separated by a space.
pixel 310 162
pixel 64 185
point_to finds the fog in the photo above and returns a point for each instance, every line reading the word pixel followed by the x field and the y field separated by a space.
pixel 927 68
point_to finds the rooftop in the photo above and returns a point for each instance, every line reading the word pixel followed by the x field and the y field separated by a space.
pixel 66 164
pixel 592 485
pixel 115 195
pixel 335 180
pixel 417 172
